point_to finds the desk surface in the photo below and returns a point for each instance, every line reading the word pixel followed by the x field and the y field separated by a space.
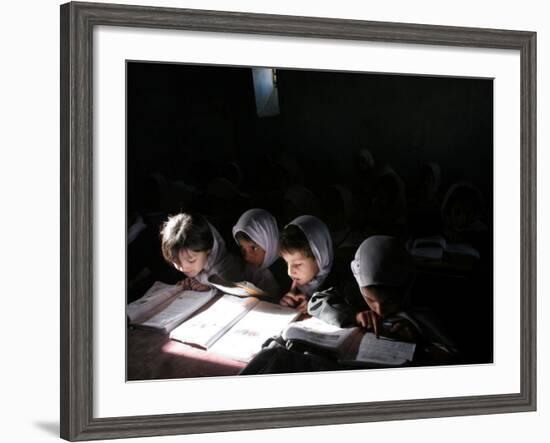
pixel 152 356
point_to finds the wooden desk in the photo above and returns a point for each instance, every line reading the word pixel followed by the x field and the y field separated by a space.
pixel 153 356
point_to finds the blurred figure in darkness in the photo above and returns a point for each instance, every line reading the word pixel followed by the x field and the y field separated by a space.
pixel 425 201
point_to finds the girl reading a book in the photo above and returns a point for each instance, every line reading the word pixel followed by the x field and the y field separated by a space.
pixel 257 235
pixel 383 272
pixel 195 248
pixel 306 246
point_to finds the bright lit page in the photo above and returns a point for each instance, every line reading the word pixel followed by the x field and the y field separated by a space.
pixel 208 326
pixel 245 339
pixel 383 351
pixel 319 333
pixel 181 308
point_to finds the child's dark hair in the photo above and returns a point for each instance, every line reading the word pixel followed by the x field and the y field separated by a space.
pixel 184 231
pixel 293 239
pixel 243 236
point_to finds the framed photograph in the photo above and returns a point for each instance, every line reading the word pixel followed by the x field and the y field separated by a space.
pixel 419 135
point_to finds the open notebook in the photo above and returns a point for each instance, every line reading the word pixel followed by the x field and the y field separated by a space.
pixel 372 351
pixel 163 307
pixel 235 327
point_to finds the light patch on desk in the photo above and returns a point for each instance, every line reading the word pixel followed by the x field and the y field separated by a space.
pixel 179 350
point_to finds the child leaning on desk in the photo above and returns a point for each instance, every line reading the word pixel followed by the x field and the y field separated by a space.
pixel 383 271
pixel 306 246
pixel 195 248
pixel 257 235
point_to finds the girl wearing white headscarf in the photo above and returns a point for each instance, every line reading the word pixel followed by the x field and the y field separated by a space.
pixel 257 234
pixel 195 248
pixel 383 272
pixel 306 246
pixel 381 264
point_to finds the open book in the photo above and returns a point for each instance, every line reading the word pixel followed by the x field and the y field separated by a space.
pixel 435 246
pixel 163 307
pixel 235 327
pixel 371 351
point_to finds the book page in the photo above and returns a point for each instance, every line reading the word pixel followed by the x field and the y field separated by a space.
pixel 179 309
pixel 384 351
pixel 151 302
pixel 245 339
pixel 205 328
pixel 319 333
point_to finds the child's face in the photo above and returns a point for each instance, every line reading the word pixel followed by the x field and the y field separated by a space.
pixel 462 214
pixel 191 263
pixel 301 268
pixel 384 301
pixel 251 252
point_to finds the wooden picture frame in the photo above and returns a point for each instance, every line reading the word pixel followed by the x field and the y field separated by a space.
pixel 77 376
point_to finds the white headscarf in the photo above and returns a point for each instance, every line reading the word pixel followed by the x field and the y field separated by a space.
pixel 262 229
pixel 382 260
pixel 320 243
pixel 219 261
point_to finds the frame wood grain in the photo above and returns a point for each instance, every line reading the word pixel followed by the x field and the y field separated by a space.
pixel 77 23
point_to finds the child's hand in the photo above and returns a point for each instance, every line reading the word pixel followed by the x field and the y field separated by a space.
pixel 302 307
pixel 198 286
pixel 369 320
pixel 296 301
pixel 191 284
pixel 185 284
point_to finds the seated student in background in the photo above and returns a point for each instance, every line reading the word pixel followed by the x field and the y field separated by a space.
pixel 387 213
pixel 222 203
pixel 462 210
pixel 425 201
pixel 298 199
pixel 257 235
pixel 306 246
pixel 338 212
pixel 195 248
pixel 384 275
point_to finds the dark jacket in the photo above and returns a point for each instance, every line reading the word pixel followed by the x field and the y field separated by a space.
pixel 339 306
